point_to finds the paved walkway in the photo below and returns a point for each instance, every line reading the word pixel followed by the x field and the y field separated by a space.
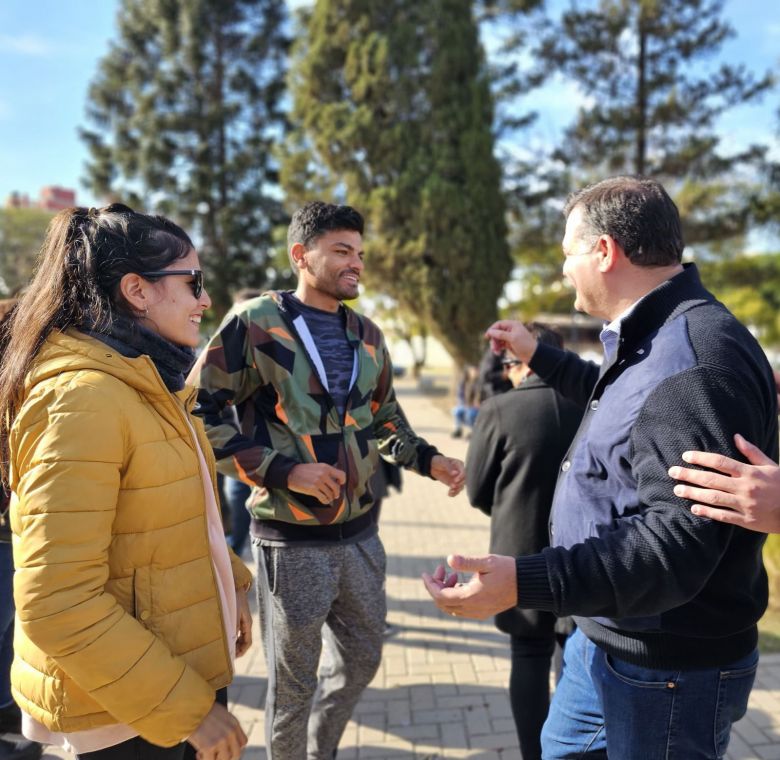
pixel 441 691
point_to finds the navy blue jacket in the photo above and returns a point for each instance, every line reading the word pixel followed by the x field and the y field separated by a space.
pixel 646 579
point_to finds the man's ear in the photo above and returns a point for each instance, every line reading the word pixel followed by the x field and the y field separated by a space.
pixel 297 254
pixel 133 288
pixel 609 253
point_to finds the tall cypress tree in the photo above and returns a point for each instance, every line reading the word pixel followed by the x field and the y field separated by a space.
pixel 394 111
pixel 183 114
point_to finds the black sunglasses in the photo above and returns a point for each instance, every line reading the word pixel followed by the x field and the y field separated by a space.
pixel 510 362
pixel 196 274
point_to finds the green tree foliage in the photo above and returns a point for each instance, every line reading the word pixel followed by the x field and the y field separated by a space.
pixel 649 114
pixel 750 287
pixel 22 231
pixel 654 91
pixel 183 114
pixel 394 110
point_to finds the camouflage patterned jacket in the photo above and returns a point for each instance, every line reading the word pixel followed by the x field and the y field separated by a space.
pixel 263 362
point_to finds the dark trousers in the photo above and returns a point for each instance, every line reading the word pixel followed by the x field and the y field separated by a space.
pixel 529 688
pixel 236 493
pixel 6 622
pixel 140 749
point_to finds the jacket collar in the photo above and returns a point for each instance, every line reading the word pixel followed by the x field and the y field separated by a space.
pixel 677 295
pixel 288 307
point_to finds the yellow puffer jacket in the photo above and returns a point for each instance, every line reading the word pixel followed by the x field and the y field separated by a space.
pixel 118 614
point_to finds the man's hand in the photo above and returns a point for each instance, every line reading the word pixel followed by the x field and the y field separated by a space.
pixel 244 638
pixel 512 335
pixel 449 471
pixel 747 495
pixel 218 736
pixel 319 480
pixel 492 588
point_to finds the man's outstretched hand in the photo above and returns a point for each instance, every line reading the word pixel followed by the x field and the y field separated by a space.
pixel 449 471
pixel 492 588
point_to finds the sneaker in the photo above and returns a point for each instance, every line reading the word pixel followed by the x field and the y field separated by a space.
pixel 457 433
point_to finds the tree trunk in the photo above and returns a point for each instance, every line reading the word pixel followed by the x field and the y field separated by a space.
pixel 641 98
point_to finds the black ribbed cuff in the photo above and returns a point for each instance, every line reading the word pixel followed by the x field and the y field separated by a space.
pixel 278 471
pixel 533 583
pixel 424 458
pixel 545 359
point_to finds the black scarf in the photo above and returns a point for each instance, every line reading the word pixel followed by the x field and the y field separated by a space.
pixel 132 339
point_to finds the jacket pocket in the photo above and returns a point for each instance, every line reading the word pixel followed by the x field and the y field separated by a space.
pixel 142 595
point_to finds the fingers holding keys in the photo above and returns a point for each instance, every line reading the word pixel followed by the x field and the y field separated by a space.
pixel 319 480
pixel 512 335
pixel 492 588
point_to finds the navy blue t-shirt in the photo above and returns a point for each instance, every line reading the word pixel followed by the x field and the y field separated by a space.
pixel 330 336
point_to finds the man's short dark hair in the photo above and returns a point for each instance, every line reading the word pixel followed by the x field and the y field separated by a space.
pixel 545 334
pixel 638 213
pixel 316 218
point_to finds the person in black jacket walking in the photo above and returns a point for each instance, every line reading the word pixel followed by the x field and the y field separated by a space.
pixel 518 442
pixel 666 602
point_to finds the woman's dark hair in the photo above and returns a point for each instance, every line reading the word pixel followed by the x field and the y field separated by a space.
pixel 76 284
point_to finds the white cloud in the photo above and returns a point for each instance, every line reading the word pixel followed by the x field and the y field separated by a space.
pixel 26 44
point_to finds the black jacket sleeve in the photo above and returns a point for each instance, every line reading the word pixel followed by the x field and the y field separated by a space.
pixel 570 375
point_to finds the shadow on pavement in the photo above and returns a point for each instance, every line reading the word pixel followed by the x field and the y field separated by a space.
pixel 438 719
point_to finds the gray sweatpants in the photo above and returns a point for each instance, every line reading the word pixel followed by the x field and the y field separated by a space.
pixel 318 599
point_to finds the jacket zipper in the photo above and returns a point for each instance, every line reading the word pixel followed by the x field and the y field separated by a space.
pixel 182 413
pixel 313 367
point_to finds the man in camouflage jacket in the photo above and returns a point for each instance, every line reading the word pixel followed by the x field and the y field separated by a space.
pixel 311 382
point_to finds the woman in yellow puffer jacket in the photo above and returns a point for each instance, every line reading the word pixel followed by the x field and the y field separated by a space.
pixel 130 606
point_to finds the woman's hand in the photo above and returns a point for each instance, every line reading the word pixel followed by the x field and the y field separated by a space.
pixel 218 736
pixel 244 637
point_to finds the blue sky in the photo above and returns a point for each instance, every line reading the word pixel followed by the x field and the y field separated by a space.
pixel 49 51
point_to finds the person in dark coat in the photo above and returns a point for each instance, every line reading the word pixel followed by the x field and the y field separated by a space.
pixel 519 440
pixel 492 376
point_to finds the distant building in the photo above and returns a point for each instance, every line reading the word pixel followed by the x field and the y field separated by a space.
pixel 580 332
pixel 55 198
pixel 51 198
